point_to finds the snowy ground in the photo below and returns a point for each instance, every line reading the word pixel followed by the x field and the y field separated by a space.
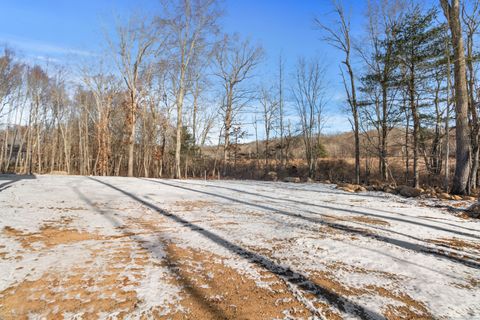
pixel 96 247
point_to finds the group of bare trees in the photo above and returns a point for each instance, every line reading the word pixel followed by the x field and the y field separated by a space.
pixel 144 107
pixel 309 97
pixel 173 96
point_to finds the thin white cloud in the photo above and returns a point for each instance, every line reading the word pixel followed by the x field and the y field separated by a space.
pixel 34 46
pixel 45 59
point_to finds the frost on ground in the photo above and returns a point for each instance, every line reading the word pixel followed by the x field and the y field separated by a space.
pixel 97 247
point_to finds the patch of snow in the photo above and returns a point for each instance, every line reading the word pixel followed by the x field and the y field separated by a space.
pixel 304 229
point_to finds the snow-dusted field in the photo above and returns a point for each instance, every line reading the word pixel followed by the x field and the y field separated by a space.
pixel 97 247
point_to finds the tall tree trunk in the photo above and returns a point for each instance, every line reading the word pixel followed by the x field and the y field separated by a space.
pixel 340 38
pixel 228 126
pixel 257 153
pixel 407 141
pixel 55 139
pixel 356 124
pixel 131 136
pixel 383 151
pixel 475 126
pixel 280 84
pixel 86 146
pixel 195 112
pixel 462 154
pixel 447 119
pixel 416 126
pixel 178 144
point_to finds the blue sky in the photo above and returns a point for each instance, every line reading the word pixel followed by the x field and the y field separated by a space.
pixel 61 30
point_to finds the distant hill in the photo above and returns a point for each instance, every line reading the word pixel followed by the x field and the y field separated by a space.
pixel 338 145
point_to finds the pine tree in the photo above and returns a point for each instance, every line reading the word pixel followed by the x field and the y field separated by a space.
pixel 419 48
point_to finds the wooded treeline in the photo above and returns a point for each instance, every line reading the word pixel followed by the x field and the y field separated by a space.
pixel 173 97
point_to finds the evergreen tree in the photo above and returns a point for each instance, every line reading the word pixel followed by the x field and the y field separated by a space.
pixel 419 48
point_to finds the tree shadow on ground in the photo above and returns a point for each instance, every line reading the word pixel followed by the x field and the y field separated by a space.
pixel 7 180
pixel 356 211
pixel 285 273
pixel 170 263
pixel 370 226
pixel 381 195
pixel 467 261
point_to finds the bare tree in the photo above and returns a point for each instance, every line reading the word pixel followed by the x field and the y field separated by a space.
pixel 381 80
pixel 449 90
pixel 38 86
pixel 135 44
pixel 190 25
pixel 10 77
pixel 269 109
pixel 60 113
pixel 281 111
pixel 451 9
pixel 309 96
pixel 235 60
pixel 340 38
pixel 203 114
pixel 471 22
pixel 104 87
pixel 10 92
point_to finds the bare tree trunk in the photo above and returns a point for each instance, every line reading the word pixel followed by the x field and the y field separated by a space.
pixel 38 140
pixel 227 126
pixel 134 47
pixel 86 146
pixel 341 39
pixel 131 138
pixel 446 183
pixel 356 124
pixel 257 150
pixel 196 94
pixel 28 160
pixel 80 149
pixel 191 23
pixel 416 128
pixel 460 179
pixel 66 148
pixel 178 144
pixel 14 141
pixel 384 132
pixel 407 142
pixel 4 150
pixel 281 115
pixel 235 61
pixel 54 149
pixel 19 159
pixel 471 21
